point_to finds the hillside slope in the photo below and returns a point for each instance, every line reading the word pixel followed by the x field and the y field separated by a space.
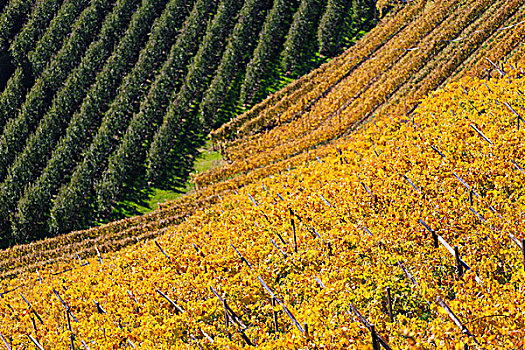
pixel 333 214
pixel 377 215
pixel 389 71
pixel 101 100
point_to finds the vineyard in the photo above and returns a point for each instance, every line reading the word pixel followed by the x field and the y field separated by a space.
pixel 406 234
pixel 100 99
pixel 374 203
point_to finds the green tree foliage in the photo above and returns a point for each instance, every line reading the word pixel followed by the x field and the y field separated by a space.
pixel 238 49
pixel 259 70
pixel 12 97
pixel 331 27
pixel 71 205
pixel 300 41
pixel 364 17
pixel 16 57
pixel 37 25
pixel 40 144
pixel 25 49
pixel 198 77
pixel 101 98
pixel 39 97
pixel 11 20
pixel 58 29
pixel 127 160
pixel 31 216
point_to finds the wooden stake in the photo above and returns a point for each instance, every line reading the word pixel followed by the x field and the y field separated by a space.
pixel 389 303
pixel 294 235
pixel 5 342
pixel 285 309
pixel 459 265
pixel 278 248
pixel 306 334
pixel 100 310
pixel 434 235
pixel 455 319
pixel 375 344
pixel 226 316
pixel 253 200
pixel 65 305
pixel 280 237
pixel 407 273
pixel 39 278
pixel 379 341
pixel 233 316
pixel 37 316
pixel 500 71
pixel 71 330
pixel 178 309
pixel 523 251
pixel 98 254
pixel 275 325
pixel 84 344
pixel 207 336
pixel 68 320
pixel 518 116
pixel 37 344
pixel 160 248
pixel 246 339
pixel 241 256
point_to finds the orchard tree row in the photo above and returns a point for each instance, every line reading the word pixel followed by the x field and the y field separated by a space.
pixel 100 99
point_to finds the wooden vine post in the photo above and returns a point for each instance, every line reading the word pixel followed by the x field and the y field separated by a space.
pixel 377 341
pixel 459 265
pixel 434 235
pixel 275 324
pixel 232 317
pixel 4 340
pixel 99 255
pixel 389 304
pixel 226 318
pixel 161 250
pixel 518 116
pixel 71 330
pixel 523 251
pixel 35 341
pixel 283 306
pixel 521 245
pixel 178 309
pixel 455 319
pixel 292 221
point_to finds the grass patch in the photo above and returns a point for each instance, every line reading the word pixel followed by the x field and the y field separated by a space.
pixel 147 200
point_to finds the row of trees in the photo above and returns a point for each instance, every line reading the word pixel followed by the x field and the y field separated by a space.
pixel 179 123
pixel 12 19
pixel 39 98
pixel 124 93
pixel 31 212
pixel 32 47
pixel 73 202
pixel 128 158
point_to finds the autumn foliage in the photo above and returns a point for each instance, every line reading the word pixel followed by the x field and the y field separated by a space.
pixel 399 207
pixel 456 164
